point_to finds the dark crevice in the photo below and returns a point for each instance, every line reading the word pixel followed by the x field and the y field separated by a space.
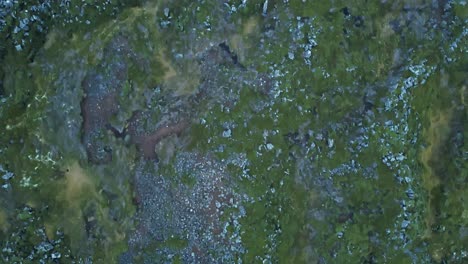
pixel 115 131
pixel 231 54
pixel 2 90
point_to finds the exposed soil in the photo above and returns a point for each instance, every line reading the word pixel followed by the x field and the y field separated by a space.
pixel 146 142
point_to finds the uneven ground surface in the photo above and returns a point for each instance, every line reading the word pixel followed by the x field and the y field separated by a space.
pixel 233 131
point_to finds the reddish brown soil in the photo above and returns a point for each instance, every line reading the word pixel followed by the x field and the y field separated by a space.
pixel 146 142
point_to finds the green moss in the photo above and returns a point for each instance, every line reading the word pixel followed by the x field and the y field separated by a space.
pixel 355 52
pixel 188 180
pixel 175 243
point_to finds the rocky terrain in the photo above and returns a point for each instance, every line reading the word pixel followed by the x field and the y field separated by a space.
pixel 233 131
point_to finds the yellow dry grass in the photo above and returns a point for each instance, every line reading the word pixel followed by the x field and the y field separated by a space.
pixel 436 135
pixel 77 182
pixel 183 81
pixel 251 26
pixel 170 72
pixel 240 42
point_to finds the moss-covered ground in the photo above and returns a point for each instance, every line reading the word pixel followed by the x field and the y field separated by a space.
pixel 314 132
